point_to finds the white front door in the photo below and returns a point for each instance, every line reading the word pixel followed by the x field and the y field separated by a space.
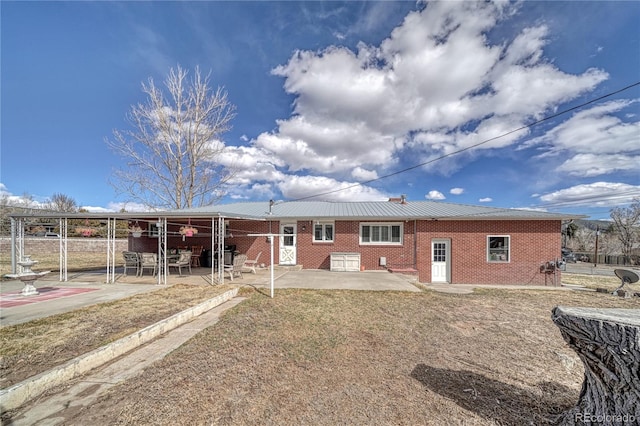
pixel 288 244
pixel 440 261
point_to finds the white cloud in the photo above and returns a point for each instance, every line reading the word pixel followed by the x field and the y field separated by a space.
pixel 597 194
pixel 26 200
pixel 595 165
pixel 435 195
pixel 361 174
pixel 251 164
pixel 485 200
pixel 595 141
pixel 297 187
pixel 456 191
pixel 96 209
pixel 433 87
pixel 117 206
pixel 260 191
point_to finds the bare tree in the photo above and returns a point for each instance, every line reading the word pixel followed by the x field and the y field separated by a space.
pixel 61 203
pixel 625 223
pixel 171 157
pixel 569 230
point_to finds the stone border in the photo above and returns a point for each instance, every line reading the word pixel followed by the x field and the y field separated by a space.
pixel 18 394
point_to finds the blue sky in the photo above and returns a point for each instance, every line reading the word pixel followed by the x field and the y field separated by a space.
pixel 330 95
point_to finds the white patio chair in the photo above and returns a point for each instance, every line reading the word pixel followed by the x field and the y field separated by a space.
pixel 183 261
pixel 251 264
pixel 236 268
pixel 148 261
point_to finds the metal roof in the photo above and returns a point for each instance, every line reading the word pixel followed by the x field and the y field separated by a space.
pixel 367 210
pixel 329 210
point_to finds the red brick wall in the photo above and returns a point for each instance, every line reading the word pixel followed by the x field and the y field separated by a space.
pixel 532 244
pixel 316 255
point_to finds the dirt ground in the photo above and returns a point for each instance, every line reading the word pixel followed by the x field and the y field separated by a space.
pixel 342 357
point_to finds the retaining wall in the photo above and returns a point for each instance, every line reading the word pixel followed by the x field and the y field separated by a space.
pixel 35 245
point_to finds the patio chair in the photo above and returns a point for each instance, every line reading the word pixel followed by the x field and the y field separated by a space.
pixel 131 260
pixel 236 268
pixel 196 252
pixel 148 261
pixel 183 261
pixel 252 264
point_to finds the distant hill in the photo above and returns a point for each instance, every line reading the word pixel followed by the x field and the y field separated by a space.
pixel 593 224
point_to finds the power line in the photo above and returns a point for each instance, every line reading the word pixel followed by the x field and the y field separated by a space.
pixel 451 154
pixel 600 197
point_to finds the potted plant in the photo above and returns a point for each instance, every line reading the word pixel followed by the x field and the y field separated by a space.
pixel 85 231
pixel 188 230
pixel 136 230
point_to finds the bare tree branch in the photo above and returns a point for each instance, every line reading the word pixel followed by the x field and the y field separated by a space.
pixel 626 222
pixel 61 203
pixel 171 153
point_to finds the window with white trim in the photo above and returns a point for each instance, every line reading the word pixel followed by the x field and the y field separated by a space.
pixel 323 232
pixel 381 233
pixel 498 248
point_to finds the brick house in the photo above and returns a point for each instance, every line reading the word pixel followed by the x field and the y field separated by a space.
pixel 439 242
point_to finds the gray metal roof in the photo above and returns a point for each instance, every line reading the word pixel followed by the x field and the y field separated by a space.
pixel 329 210
pixel 367 210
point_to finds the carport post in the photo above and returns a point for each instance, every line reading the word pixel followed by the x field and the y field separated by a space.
pixel 270 236
pixel 271 260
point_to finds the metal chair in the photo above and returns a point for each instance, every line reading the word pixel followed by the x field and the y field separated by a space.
pixel 131 260
pixel 251 264
pixel 148 261
pixel 236 268
pixel 183 261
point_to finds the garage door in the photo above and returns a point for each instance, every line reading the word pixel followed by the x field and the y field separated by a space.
pixel 345 262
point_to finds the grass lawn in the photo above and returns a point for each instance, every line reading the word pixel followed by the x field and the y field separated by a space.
pixel 30 348
pixel 77 261
pixel 349 357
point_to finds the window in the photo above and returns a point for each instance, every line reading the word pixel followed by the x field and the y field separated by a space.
pixel 154 230
pixel 498 248
pixel 381 233
pixel 323 232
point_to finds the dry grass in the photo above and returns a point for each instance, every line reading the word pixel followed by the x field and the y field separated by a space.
pixel 31 348
pixel 592 281
pixel 77 261
pixel 342 357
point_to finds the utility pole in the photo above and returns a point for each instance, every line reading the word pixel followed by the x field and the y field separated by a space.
pixel 595 261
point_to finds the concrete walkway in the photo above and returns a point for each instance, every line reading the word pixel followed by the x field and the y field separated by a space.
pixel 321 279
pixel 57 305
pixel 52 409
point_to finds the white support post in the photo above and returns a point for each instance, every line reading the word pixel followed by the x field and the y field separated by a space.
pixel 14 245
pixel 271 255
pixel 63 224
pixel 213 245
pixel 111 250
pixel 19 243
pixel 162 251
pixel 221 249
